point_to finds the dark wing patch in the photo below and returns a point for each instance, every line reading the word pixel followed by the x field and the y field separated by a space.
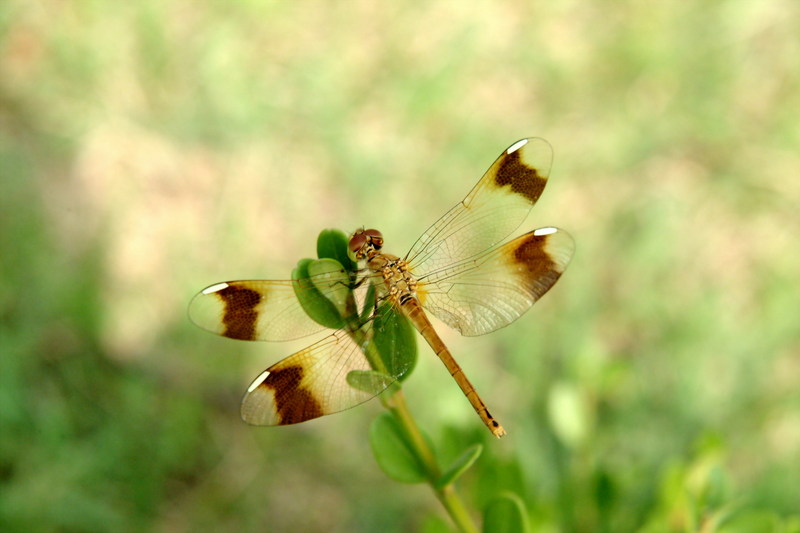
pixel 240 314
pixel 293 402
pixel 523 178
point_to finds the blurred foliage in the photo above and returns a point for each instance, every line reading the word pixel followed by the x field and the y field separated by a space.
pixel 148 149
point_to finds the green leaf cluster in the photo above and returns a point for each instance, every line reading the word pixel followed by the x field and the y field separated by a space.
pixel 326 289
pixel 404 460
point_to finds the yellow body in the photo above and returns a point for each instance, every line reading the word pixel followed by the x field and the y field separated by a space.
pixel 401 288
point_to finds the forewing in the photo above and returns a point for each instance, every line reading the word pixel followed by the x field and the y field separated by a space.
pixel 253 310
pixel 494 208
pixel 338 372
pixel 495 288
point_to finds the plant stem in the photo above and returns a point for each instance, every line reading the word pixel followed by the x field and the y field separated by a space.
pixel 447 495
pixel 455 508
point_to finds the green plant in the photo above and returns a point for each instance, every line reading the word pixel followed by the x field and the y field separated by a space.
pixel 402 450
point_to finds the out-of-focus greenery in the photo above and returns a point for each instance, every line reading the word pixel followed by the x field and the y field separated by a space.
pixel 148 149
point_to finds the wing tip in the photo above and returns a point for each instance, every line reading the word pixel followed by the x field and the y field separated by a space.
pixel 557 244
pixel 258 381
pixel 517 145
pixel 215 288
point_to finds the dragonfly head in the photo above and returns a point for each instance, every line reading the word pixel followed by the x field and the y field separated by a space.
pixel 365 243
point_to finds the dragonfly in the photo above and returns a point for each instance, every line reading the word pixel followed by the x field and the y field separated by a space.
pixel 459 271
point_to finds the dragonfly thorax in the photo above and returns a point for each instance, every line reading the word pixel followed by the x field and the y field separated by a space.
pixel 400 282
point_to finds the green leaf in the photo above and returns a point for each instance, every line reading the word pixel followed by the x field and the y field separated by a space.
pixel 505 514
pixel 460 465
pixel 369 381
pixel 435 524
pixel 369 302
pixel 605 490
pixel 569 413
pixel 333 244
pixel 314 303
pixel 396 342
pixel 395 457
pixel 753 521
pixel 332 281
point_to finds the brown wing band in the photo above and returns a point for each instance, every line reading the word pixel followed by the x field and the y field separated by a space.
pixel 240 314
pixel 539 269
pixel 293 403
pixel 523 179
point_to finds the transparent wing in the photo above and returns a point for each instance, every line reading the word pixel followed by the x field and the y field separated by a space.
pixel 265 310
pixel 494 208
pixel 252 310
pixel 340 371
pixel 491 290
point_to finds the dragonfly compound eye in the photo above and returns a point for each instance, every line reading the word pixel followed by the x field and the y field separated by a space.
pixel 375 237
pixel 357 241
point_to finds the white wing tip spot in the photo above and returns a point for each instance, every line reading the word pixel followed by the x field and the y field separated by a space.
pixel 516 146
pixel 258 381
pixel 544 231
pixel 215 288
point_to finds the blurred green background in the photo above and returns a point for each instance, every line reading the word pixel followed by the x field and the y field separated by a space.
pixel 148 149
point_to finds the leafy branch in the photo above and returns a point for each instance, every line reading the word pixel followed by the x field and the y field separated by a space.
pixel 400 447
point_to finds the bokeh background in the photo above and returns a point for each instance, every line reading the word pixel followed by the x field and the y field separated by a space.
pixel 148 149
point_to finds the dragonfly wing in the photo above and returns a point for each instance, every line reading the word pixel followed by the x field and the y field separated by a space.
pixel 494 208
pixel 338 372
pixel 255 310
pixel 493 289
